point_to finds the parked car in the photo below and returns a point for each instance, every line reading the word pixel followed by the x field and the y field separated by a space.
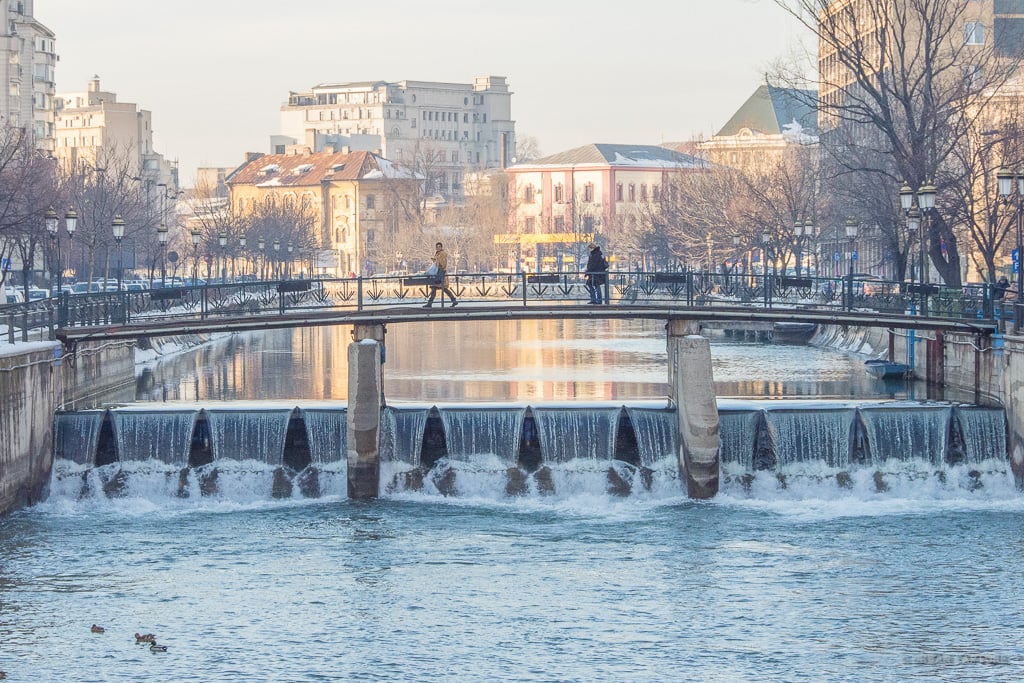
pixel 12 295
pixel 36 293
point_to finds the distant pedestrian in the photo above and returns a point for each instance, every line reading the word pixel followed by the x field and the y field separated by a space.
pixel 597 274
pixel 999 288
pixel 440 277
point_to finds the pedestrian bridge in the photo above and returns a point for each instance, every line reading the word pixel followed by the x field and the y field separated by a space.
pixel 683 295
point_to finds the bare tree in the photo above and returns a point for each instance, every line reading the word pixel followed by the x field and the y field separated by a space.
pixel 26 190
pixel 527 149
pixel 902 78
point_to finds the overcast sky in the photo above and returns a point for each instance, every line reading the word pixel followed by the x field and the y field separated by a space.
pixel 215 72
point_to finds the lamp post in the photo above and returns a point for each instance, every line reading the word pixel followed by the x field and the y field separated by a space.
pixel 196 236
pixel 51 220
pixel 222 240
pixel 163 236
pixel 70 224
pixel 241 248
pixel 851 235
pixel 277 259
pixel 1005 179
pixel 288 268
pixel 118 227
pixel 261 244
pixel 918 222
pixel 765 238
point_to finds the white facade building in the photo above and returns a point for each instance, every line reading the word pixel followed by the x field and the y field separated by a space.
pixel 27 65
pixel 91 123
pixel 440 130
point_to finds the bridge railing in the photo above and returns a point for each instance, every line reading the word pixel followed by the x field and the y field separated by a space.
pixel 686 288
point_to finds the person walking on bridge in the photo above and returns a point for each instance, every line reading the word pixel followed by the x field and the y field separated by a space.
pixel 440 278
pixel 597 274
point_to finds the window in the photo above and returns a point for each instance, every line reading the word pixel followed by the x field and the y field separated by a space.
pixel 974 33
pixel 632 192
pixel 559 224
pixel 618 192
pixel 371 201
pixel 643 192
pixel 528 225
pixel 588 192
pixel 656 192
pixel 528 197
pixel 559 193
pixel 588 224
pixel 455 157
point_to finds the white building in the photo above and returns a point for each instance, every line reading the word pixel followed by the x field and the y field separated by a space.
pixel 27 62
pixel 440 130
pixel 91 123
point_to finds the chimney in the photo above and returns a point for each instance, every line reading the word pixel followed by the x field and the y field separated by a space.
pixel 252 156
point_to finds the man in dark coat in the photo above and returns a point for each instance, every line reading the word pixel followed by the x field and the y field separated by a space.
pixel 597 274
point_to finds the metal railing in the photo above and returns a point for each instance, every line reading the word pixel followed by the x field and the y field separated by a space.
pixel 39 319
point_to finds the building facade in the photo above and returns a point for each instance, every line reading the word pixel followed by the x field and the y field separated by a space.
pixel 28 61
pixel 439 130
pixel 91 126
pixel 352 196
pixel 561 202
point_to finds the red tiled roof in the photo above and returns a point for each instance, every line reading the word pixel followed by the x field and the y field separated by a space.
pixel 290 170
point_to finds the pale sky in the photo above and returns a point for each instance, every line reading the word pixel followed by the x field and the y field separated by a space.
pixel 215 72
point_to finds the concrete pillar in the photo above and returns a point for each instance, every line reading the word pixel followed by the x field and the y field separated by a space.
pixel 365 396
pixel 693 391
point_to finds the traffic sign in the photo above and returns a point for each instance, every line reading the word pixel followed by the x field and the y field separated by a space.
pixel 854 255
pixel 837 257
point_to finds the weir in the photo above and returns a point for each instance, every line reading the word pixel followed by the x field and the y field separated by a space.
pixel 518 450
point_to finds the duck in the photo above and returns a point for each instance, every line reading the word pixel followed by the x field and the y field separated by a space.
pixel 3 675
pixel 153 647
pixel 144 638
pixel 97 629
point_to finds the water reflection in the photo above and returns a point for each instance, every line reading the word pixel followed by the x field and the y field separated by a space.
pixel 518 361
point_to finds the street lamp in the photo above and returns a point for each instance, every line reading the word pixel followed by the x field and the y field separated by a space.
pixel 196 236
pixel 851 234
pixel 118 227
pixel 918 222
pixel 765 238
pixel 222 239
pixel 50 217
pixel 288 270
pixel 70 224
pixel 241 250
pixel 1005 179
pixel 260 246
pixel 277 258
pixel 798 233
pixel 163 236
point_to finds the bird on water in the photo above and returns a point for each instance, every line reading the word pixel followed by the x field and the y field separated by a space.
pixel 153 647
pixel 144 638
pixel 97 629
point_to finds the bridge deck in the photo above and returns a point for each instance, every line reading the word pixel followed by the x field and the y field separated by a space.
pixel 472 311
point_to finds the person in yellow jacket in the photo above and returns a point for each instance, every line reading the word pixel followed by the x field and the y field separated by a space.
pixel 441 279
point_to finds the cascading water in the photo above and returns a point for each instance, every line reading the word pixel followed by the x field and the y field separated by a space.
pixel 655 430
pixel 327 430
pixel 568 434
pixel 402 434
pixel 984 434
pixel 250 434
pixel 905 435
pixel 162 435
pixel 492 432
pixel 811 437
pixel 737 430
pixel 77 436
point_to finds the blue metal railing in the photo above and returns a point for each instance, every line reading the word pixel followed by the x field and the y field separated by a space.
pixel 38 319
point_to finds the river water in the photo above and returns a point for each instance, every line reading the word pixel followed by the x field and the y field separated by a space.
pixel 809 583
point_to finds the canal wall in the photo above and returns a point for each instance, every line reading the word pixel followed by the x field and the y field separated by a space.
pixel 30 389
pixel 37 379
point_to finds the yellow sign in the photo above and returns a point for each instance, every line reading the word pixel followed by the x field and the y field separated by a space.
pixel 548 238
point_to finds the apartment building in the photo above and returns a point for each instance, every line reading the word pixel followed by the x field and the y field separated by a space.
pixel 439 130
pixel 28 60
pixel 353 196
pixel 91 125
pixel 563 201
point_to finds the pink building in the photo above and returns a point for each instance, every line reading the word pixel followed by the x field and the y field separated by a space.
pixel 559 203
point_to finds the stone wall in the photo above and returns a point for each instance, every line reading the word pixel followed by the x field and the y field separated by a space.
pixel 36 380
pixel 31 384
